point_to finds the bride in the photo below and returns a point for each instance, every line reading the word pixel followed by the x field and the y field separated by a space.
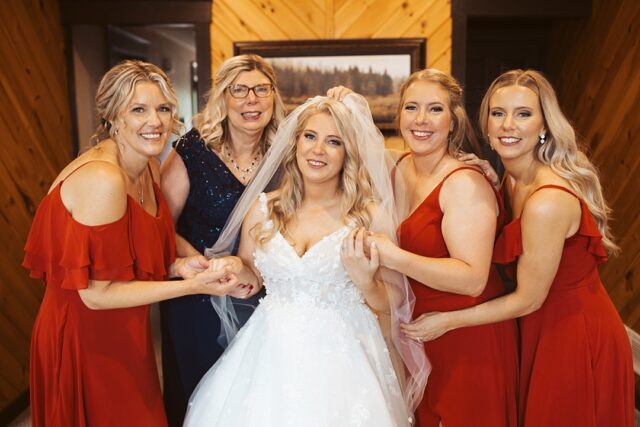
pixel 313 353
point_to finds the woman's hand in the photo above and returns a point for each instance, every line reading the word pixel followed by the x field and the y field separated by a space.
pixel 383 245
pixel 360 266
pixel 484 165
pixel 188 267
pixel 234 266
pixel 427 326
pixel 338 92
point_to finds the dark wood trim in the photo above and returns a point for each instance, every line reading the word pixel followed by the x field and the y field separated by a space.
pixel 415 47
pixel 15 408
pixel 203 57
pixel 135 12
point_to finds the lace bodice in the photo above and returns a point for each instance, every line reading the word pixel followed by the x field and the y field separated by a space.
pixel 316 278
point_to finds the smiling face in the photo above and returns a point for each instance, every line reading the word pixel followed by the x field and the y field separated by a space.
pixel 425 118
pixel 249 115
pixel 320 151
pixel 515 121
pixel 145 122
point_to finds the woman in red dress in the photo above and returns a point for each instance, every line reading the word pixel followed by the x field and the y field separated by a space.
pixel 103 241
pixel 445 249
pixel 576 367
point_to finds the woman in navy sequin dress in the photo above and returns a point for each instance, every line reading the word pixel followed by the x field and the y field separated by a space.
pixel 202 179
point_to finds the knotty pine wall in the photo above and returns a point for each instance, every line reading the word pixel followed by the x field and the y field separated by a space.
pixel 36 144
pixel 261 20
pixel 597 70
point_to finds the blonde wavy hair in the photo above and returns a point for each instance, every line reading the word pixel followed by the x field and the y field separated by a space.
pixel 355 187
pixel 116 90
pixel 211 123
pixel 462 137
pixel 561 150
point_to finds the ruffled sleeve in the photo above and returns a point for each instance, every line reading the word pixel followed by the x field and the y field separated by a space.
pixel 508 245
pixel 589 230
pixel 67 254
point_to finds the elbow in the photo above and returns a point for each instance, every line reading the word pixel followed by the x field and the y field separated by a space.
pixel 476 285
pixel 90 301
pixel 531 307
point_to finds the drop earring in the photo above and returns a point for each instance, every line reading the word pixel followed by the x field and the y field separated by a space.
pixel 542 138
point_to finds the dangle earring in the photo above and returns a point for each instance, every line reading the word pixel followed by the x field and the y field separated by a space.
pixel 542 138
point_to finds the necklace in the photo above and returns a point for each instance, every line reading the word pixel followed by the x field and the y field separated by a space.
pixel 245 173
pixel 142 182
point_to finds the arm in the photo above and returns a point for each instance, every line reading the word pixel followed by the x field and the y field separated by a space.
pixel 362 269
pixel 175 187
pixel 468 227
pixel 547 220
pixel 95 195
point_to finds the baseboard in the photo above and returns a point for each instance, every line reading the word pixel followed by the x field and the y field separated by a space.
pixel 15 408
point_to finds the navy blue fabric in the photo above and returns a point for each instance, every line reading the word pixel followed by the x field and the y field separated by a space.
pixel 190 325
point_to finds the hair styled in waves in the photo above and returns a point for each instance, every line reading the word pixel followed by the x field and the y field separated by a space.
pixel 355 183
pixel 116 90
pixel 561 151
pixel 462 136
pixel 211 123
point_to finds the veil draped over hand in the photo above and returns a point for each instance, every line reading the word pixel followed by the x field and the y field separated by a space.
pixel 413 375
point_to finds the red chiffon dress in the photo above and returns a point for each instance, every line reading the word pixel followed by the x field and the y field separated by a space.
pixel 95 367
pixel 576 367
pixel 473 381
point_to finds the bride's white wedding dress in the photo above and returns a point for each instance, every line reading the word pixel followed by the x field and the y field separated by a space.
pixel 312 354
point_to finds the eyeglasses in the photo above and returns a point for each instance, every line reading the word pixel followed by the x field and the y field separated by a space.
pixel 241 91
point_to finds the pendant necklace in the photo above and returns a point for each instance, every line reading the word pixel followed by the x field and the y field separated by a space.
pixel 245 173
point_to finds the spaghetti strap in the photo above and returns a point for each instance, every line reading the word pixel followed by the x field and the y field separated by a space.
pixel 462 168
pixel 557 187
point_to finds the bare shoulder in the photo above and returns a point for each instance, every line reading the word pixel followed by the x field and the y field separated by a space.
pixel 550 208
pixel 96 193
pixel 468 185
pixel 394 154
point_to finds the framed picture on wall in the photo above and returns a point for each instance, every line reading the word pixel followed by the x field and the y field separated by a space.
pixel 374 68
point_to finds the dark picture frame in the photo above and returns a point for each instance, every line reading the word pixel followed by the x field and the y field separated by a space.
pixel 373 67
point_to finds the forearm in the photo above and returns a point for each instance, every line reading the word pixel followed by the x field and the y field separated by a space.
pixel 509 306
pixel 184 248
pixel 114 295
pixel 376 297
pixel 444 274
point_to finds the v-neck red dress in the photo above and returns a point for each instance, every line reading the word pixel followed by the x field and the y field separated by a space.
pixel 473 381
pixel 576 366
pixel 95 367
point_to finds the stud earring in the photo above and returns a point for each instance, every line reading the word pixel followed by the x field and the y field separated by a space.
pixel 115 132
pixel 542 138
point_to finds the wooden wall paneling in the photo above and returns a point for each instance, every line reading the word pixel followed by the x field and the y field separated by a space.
pixel 596 62
pixel 411 16
pixel 39 79
pixel 348 13
pixel 34 121
pixel 303 19
pixel 367 23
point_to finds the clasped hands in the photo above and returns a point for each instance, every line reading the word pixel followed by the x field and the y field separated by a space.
pixel 363 252
pixel 216 276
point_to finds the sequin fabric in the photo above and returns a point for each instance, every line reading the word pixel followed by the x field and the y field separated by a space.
pixel 213 192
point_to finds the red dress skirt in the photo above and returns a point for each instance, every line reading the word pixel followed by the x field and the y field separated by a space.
pixel 576 367
pixel 473 381
pixel 95 367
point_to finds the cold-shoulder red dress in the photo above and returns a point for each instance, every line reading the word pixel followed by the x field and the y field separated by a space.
pixel 95 367
pixel 473 381
pixel 576 366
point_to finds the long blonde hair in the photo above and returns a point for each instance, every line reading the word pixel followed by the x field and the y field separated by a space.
pixel 462 136
pixel 116 90
pixel 212 121
pixel 561 151
pixel 355 183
